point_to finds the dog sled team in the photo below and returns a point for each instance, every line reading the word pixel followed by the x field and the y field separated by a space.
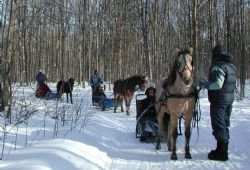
pixel 162 105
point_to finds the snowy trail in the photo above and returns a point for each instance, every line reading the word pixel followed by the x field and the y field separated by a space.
pixel 108 142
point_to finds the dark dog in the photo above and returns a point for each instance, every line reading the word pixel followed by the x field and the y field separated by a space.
pixel 65 87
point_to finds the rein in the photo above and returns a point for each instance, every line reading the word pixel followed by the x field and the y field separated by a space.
pixel 196 115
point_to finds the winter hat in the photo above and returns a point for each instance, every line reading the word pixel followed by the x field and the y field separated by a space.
pixel 217 50
pixel 150 89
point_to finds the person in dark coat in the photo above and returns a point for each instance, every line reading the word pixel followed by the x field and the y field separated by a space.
pixel 145 103
pixel 221 84
pixel 147 117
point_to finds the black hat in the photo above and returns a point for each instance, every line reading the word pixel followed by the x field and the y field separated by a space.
pixel 217 50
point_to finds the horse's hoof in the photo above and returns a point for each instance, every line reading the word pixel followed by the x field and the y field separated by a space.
pixel 128 113
pixel 158 147
pixel 174 156
pixel 188 156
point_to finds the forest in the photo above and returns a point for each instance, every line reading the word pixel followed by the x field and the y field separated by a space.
pixel 119 38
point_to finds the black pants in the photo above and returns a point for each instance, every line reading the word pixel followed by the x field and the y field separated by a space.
pixel 220 120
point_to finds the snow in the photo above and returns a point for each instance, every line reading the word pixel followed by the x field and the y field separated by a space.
pixel 93 139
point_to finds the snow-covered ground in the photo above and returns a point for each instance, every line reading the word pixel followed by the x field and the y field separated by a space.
pixel 95 139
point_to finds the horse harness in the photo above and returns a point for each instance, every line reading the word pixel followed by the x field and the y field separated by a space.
pixel 165 97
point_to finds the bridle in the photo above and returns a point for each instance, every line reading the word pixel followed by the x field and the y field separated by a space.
pixel 186 67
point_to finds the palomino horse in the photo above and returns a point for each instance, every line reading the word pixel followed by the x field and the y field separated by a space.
pixel 178 99
pixel 126 88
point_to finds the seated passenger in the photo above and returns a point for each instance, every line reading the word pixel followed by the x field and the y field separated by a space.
pixel 145 103
pixel 98 95
pixel 147 117
pixel 43 91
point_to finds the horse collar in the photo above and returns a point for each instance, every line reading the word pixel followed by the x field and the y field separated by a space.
pixel 170 95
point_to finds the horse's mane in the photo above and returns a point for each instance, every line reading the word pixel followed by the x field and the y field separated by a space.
pixel 172 77
pixel 130 78
pixel 135 77
pixel 172 74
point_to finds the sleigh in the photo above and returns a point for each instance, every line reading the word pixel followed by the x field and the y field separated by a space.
pixel 146 126
pixel 100 99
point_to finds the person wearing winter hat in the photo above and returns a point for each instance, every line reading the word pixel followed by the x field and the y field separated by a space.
pixel 95 82
pixel 40 77
pixel 220 85
pixel 149 100
pixel 148 119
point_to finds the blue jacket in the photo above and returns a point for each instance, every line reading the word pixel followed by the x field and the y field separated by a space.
pixel 222 79
pixel 95 81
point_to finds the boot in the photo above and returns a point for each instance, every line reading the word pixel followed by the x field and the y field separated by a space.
pixel 220 153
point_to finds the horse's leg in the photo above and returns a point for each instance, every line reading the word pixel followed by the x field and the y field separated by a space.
pixel 60 93
pixel 160 127
pixel 168 132
pixel 174 134
pixel 115 100
pixel 121 101
pixel 70 95
pixel 67 97
pixel 166 129
pixel 128 101
pixel 187 124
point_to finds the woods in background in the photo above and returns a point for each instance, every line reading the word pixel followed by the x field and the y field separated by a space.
pixel 120 38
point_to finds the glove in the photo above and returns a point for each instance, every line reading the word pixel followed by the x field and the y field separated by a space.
pixel 165 84
pixel 203 84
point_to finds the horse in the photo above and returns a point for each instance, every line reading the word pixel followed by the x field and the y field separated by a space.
pixel 124 89
pixel 65 87
pixel 178 99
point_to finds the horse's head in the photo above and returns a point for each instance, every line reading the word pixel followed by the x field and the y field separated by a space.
pixel 142 81
pixel 184 65
pixel 71 82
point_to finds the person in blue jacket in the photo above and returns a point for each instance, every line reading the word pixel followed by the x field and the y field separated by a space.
pixel 95 81
pixel 220 85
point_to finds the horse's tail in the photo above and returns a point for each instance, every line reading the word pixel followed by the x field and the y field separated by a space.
pixel 117 86
pixel 59 87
